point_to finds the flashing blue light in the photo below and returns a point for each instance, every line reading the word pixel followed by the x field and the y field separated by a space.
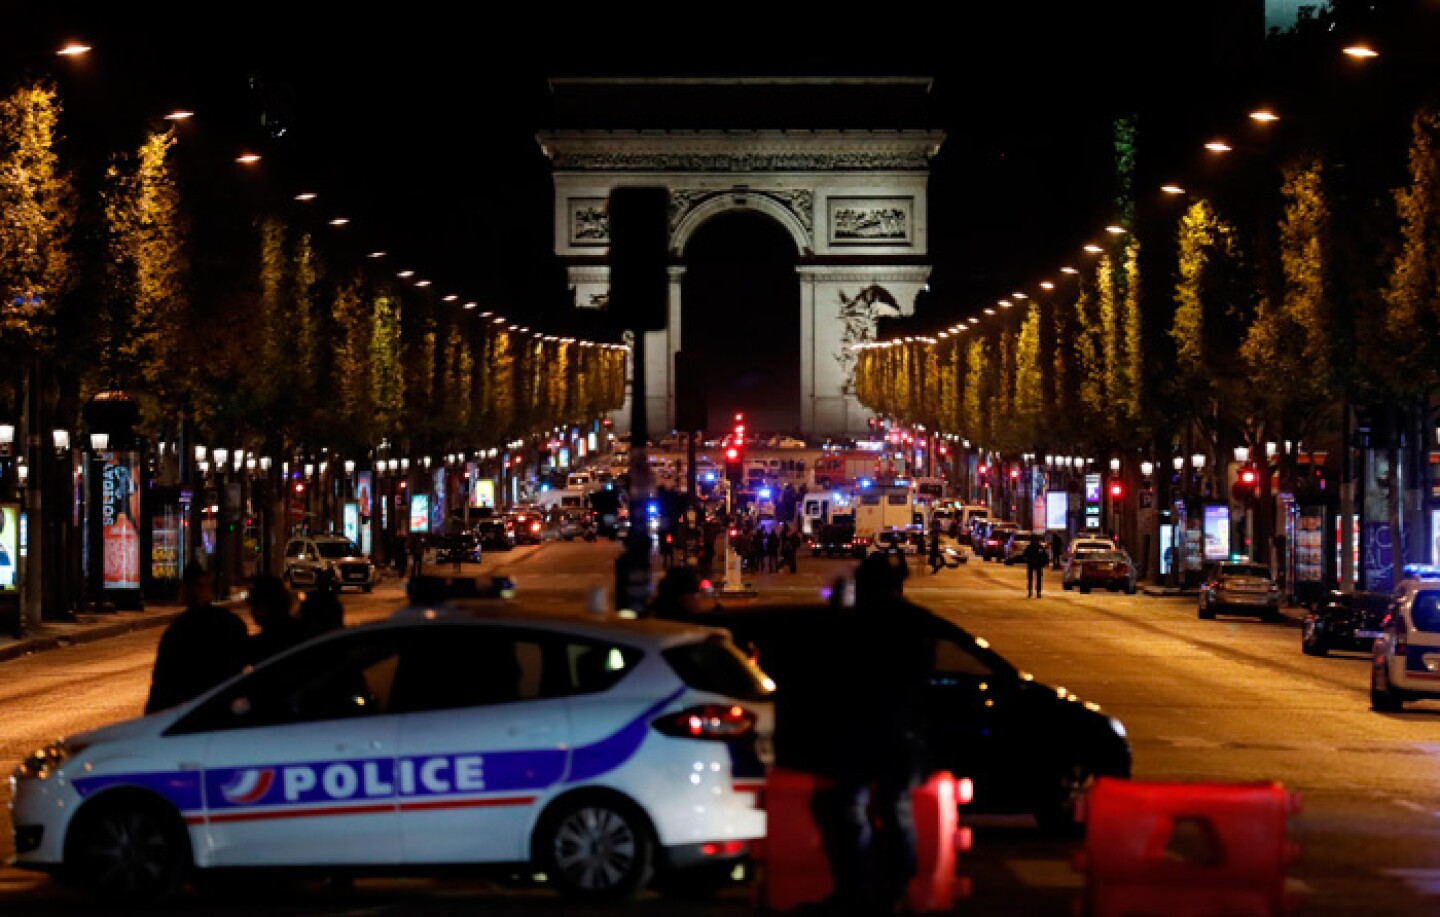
pixel 901 482
pixel 652 508
pixel 865 483
pixel 1422 571
pixel 609 486
pixel 764 493
pixel 544 487
pixel 709 476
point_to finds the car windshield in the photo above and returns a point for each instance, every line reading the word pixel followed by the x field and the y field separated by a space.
pixel 1110 557
pixel 1245 570
pixel 334 549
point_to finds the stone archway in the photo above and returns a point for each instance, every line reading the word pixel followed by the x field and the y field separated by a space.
pixel 853 202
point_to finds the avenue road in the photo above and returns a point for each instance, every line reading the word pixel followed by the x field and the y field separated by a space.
pixel 1225 700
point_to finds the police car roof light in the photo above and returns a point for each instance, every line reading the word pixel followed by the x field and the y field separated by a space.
pixel 1422 571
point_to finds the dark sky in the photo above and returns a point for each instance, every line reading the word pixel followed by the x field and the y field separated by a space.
pixel 418 123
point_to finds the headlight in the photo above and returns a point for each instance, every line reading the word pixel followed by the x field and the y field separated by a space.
pixel 40 764
pixel 1119 728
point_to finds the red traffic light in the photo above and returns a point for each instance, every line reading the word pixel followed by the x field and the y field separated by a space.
pixel 1117 490
pixel 1248 477
pixel 1014 473
pixel 732 454
pixel 299 487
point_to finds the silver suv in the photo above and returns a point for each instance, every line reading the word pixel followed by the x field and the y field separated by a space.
pixel 311 559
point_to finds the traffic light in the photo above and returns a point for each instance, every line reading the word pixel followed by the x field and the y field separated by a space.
pixel 734 470
pixel 1117 490
pixel 1247 485
pixel 299 488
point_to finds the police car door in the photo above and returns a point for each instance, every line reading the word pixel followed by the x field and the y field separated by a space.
pixel 483 742
pixel 299 767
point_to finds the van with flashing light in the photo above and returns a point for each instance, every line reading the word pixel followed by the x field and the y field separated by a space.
pixel 880 505
pixel 825 507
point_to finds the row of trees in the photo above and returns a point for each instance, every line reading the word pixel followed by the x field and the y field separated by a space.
pixel 1263 310
pixel 201 298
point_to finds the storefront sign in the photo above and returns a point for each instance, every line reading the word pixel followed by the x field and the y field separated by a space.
pixel 120 518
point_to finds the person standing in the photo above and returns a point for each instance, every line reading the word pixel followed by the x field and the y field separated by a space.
pixel 1036 560
pixel 204 646
pixel 936 558
pixel 270 604
pixel 417 554
pixel 870 837
pixel 792 548
pixel 321 610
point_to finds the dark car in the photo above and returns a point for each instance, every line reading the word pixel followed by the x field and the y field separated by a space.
pixel 837 540
pixel 528 528
pixel 495 535
pixel 1345 621
pixel 455 549
pixel 1028 747
pixel 997 537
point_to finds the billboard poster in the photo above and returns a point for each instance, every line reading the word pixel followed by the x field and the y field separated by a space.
pixel 437 508
pixel 364 490
pixel 1057 510
pixel 351 524
pixel 419 512
pixel 9 544
pixel 483 493
pixel 1217 532
pixel 120 518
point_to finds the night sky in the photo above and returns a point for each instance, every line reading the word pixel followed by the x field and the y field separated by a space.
pixel 419 124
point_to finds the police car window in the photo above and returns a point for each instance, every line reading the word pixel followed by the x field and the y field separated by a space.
pixel 338 679
pixel 450 667
pixel 716 665
pixel 1425 611
pixel 594 667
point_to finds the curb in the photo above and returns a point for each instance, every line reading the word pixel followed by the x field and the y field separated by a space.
pixel 26 646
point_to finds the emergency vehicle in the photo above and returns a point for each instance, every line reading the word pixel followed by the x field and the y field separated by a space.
pixel 1405 658
pixel 468 733
pixel 884 504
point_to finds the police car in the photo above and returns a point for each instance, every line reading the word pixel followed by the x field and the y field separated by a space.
pixel 593 753
pixel 1406 656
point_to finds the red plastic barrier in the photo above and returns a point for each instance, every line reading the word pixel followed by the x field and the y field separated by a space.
pixel 1186 849
pixel 795 868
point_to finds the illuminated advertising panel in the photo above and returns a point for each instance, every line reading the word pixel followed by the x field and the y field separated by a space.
pixel 1057 510
pixel 419 512
pixel 1217 532
pixel 483 494
pixel 351 524
pixel 9 543
pixel 119 518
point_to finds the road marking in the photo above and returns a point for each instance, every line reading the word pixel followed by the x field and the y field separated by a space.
pixel 1189 742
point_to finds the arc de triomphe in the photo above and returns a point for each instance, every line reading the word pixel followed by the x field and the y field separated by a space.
pixel 852 201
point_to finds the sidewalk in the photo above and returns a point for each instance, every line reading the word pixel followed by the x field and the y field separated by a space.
pixel 85 628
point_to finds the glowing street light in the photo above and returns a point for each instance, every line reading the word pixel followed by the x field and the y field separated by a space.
pixel 1172 189
pixel 1092 248
pixel 73 49
pixel 1361 52
pixel 1067 269
pixel 248 159
pixel 1218 146
pixel 306 196
pixel 1264 115
pixel 180 114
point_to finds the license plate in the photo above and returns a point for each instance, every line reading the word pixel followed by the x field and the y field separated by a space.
pixel 1367 634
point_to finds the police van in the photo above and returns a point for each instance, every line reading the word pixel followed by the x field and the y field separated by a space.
pixel 1405 658
pixel 597 752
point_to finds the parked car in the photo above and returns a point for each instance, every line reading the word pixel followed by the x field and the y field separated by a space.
pixel 453 736
pixel 1112 570
pixel 1240 586
pixel 495 535
pixel 997 536
pixel 1405 658
pixel 1029 748
pixel 312 560
pixel 455 548
pixel 1083 543
pixel 1344 621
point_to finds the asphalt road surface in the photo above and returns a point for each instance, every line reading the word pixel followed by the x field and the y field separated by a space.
pixel 1226 700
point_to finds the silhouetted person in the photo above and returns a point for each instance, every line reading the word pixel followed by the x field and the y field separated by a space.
pixel 1036 560
pixel 870 836
pixel 270 604
pixel 202 647
pixel 677 596
pixel 417 554
pixel 321 610
pixel 937 559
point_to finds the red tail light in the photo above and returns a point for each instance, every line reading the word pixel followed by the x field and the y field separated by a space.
pixel 534 526
pixel 707 721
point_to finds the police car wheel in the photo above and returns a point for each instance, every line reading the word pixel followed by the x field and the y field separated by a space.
pixel 598 849
pixel 128 851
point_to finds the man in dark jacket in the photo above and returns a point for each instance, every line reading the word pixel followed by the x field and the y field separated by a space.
pixel 1036 560
pixel 202 647
pixel 871 836
pixel 270 604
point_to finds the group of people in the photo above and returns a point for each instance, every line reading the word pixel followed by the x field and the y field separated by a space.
pixel 206 644
pixel 769 550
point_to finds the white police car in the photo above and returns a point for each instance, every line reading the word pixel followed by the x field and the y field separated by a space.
pixel 598 753
pixel 1405 658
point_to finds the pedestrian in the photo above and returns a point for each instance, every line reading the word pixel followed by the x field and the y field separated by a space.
pixel 1036 560
pixel 1057 548
pixel 417 553
pixel 321 610
pixel 270 604
pixel 202 647
pixel 755 547
pixel 937 559
pixel 792 548
pixel 869 834
pixel 772 549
